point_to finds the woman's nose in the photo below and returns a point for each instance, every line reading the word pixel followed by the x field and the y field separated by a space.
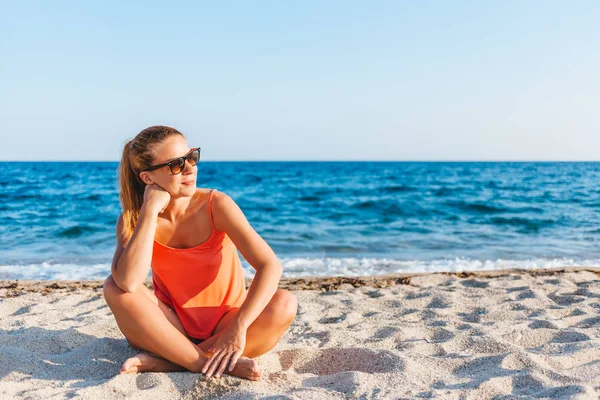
pixel 188 167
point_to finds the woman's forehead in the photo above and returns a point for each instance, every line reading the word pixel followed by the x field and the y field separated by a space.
pixel 169 149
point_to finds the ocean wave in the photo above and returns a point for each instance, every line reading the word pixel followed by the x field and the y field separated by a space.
pixel 422 211
pixel 478 207
pixel 49 270
pixel 351 266
pixel 526 223
pixel 397 189
pixel 77 231
pixel 294 267
pixel 309 198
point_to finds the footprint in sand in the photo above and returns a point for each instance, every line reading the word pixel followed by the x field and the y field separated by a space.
pixel 536 313
pixel 569 337
pixel 439 335
pixel 437 323
pixel 526 294
pixel 335 360
pixel 577 312
pixel 517 289
pixel 329 293
pixel 474 283
pixel 438 302
pixel 588 323
pixel 386 332
pixel 374 294
pixel 332 320
pixel 540 324
pixel 518 307
pixel 406 311
pixel 404 345
pixel 585 292
pixel 565 300
pixel 416 295
pixel 552 281
pixel 392 304
pixel 22 310
pixel 474 316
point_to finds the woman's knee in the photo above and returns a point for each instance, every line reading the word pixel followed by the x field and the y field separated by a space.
pixel 283 306
pixel 110 289
pixel 137 348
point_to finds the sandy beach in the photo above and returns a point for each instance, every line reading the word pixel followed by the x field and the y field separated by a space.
pixel 477 335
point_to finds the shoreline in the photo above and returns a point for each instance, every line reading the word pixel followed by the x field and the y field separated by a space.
pixel 17 287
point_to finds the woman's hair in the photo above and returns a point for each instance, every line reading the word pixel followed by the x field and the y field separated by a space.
pixel 137 157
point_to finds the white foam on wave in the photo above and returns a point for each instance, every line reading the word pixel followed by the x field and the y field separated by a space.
pixel 308 266
pixel 350 266
pixel 48 270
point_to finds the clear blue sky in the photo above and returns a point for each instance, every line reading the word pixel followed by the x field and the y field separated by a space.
pixel 303 80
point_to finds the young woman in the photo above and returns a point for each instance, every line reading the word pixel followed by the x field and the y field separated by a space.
pixel 200 317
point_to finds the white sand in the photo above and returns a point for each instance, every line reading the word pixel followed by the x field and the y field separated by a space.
pixel 513 336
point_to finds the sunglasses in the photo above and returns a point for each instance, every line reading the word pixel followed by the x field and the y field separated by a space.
pixel 178 164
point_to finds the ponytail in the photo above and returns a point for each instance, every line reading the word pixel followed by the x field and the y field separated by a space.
pixel 136 157
pixel 132 192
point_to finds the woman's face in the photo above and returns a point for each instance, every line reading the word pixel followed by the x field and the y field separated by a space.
pixel 182 184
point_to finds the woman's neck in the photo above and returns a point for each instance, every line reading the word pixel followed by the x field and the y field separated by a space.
pixel 178 208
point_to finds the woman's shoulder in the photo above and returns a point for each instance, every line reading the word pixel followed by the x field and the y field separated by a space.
pixel 225 210
pixel 203 195
pixel 206 193
pixel 218 198
pixel 211 199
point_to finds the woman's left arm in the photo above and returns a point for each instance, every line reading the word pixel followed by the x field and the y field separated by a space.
pixel 229 218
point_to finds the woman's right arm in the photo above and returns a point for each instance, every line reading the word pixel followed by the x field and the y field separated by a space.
pixel 131 262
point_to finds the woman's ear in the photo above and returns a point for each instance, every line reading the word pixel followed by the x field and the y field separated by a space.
pixel 146 178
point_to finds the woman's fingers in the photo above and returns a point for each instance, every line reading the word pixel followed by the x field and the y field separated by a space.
pixel 215 364
pixel 223 365
pixel 234 359
pixel 210 361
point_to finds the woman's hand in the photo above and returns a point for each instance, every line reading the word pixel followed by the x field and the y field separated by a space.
pixel 156 198
pixel 227 350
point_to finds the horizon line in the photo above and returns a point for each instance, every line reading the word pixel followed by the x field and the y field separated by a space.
pixel 315 161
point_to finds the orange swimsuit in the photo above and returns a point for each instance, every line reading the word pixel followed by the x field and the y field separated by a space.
pixel 200 283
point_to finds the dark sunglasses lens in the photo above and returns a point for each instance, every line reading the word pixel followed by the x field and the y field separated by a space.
pixel 177 166
pixel 194 157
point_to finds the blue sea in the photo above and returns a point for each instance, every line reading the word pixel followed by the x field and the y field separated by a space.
pixel 57 219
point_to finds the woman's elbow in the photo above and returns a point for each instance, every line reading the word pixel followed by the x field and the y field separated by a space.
pixel 129 287
pixel 124 284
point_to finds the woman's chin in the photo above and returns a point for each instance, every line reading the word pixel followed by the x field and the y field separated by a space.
pixel 188 190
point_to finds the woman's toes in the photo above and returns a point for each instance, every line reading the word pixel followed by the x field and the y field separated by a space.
pixel 138 363
pixel 246 368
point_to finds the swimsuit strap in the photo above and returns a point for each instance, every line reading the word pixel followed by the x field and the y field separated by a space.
pixel 212 222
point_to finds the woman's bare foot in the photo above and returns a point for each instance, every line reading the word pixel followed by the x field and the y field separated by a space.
pixel 144 362
pixel 246 368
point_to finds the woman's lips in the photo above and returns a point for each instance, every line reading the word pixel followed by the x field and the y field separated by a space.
pixel 187 183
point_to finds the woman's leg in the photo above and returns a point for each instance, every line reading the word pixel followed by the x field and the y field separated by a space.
pixel 152 326
pixel 264 333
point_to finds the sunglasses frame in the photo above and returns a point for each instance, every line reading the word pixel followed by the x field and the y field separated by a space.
pixel 152 168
